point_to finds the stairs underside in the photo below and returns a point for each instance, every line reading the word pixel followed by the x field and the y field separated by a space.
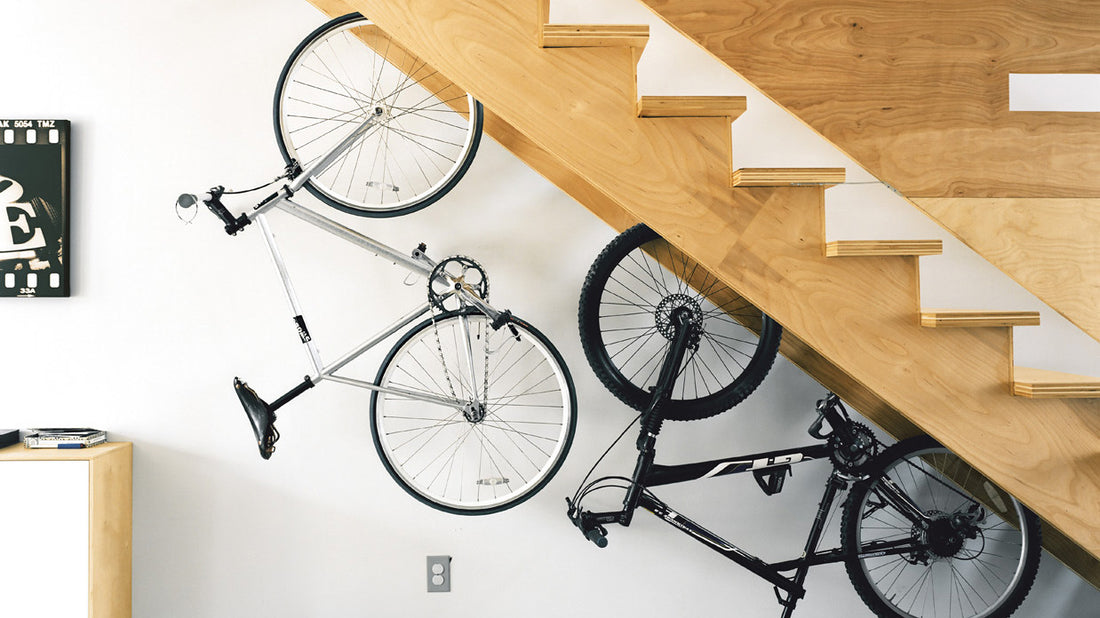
pixel 918 93
pixel 850 322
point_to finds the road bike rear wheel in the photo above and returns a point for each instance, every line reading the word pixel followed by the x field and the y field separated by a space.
pixel 347 71
pixel 974 552
pixel 626 305
pixel 506 430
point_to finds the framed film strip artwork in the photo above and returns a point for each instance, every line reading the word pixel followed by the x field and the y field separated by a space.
pixel 34 208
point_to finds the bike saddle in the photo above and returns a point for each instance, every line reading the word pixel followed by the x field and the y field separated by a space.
pixel 260 415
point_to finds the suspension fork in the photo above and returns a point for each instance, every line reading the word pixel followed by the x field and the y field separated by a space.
pixel 653 416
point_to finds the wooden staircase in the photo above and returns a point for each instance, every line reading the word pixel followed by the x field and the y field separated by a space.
pixel 919 94
pixel 851 309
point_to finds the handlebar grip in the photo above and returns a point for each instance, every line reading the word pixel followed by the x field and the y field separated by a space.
pixel 598 536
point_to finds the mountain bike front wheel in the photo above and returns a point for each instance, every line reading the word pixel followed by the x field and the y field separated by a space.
pixel 427 129
pixel 508 424
pixel 627 302
pixel 952 545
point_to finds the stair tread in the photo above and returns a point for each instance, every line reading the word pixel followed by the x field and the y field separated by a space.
pixel 1036 383
pixel 866 248
pixel 691 106
pixel 976 318
pixel 786 176
pixel 594 35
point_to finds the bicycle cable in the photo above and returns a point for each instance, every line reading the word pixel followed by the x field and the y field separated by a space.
pixel 583 489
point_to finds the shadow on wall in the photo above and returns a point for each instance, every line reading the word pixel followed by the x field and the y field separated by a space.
pixel 225 536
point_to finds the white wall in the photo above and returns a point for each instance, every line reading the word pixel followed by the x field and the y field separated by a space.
pixel 174 96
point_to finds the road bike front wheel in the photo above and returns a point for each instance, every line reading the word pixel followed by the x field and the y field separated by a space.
pixel 427 129
pixel 483 417
pixel 970 549
pixel 626 307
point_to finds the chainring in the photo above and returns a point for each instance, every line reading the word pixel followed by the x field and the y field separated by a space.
pixel 851 455
pixel 454 273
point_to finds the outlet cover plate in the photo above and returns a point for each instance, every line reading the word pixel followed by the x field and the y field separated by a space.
pixel 439 573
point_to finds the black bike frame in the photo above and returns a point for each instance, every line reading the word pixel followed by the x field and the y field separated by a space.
pixel 774 462
pixel 770 469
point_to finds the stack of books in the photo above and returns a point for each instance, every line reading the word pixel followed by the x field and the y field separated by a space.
pixel 64 438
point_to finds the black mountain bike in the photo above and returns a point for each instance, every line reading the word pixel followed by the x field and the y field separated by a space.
pixel 922 532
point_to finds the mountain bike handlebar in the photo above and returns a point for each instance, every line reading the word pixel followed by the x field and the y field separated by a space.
pixel 586 522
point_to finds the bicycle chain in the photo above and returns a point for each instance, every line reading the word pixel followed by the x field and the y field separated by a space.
pixel 438 306
pixel 447 374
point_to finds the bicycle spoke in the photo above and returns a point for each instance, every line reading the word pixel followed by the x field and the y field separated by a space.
pixel 494 448
pixel 424 141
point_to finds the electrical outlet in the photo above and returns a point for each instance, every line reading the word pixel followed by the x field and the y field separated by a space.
pixel 439 573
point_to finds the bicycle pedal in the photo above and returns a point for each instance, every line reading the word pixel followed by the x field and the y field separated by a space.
pixel 771 480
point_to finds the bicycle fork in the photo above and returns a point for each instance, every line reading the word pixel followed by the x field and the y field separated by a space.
pixel 653 417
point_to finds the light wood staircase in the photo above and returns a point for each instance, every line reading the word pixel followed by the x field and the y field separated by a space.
pixel 850 309
pixel 921 100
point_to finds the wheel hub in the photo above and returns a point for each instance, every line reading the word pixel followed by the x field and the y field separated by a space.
pixel 474 411
pixel 668 306
pixel 944 535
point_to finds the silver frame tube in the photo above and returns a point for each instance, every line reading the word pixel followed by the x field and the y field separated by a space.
pixel 421 266
pixel 339 363
pixel 417 263
pixel 288 287
pixel 455 403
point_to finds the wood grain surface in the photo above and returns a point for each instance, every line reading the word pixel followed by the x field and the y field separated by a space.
pixel 1037 383
pixel 918 94
pixel 918 91
pixel 1049 246
pixel 940 318
pixel 672 106
pixel 870 248
pixel 784 177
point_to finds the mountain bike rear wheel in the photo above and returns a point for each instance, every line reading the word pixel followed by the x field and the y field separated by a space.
pixel 507 429
pixel 626 305
pixel 427 133
pixel 973 552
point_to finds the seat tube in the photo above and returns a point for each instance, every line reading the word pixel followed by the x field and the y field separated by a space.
pixel 292 298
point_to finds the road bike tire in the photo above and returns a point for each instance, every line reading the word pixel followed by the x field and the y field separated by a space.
pixel 471 459
pixel 624 319
pixel 986 576
pixel 428 133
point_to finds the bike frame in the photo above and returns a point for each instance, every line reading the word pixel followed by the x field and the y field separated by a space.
pixel 773 464
pixel 775 461
pixel 417 263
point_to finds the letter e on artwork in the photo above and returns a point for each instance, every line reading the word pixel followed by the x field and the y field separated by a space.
pixel 16 231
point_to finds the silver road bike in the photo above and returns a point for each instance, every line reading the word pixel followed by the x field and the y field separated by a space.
pixel 473 409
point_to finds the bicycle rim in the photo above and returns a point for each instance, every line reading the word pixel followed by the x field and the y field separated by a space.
pixel 983 573
pixel 625 322
pixel 428 131
pixel 506 435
